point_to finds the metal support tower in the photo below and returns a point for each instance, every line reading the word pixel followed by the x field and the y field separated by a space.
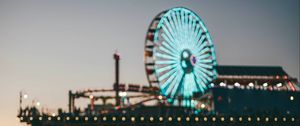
pixel 117 59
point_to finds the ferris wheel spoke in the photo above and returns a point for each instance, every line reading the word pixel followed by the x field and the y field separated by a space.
pixel 202 65
pixel 176 24
pixel 167 83
pixel 196 29
pixel 187 29
pixel 193 35
pixel 205 72
pixel 167 74
pixel 199 85
pixel 191 25
pixel 165 62
pixel 173 23
pixel 174 83
pixel 200 42
pixel 185 22
pixel 182 20
pixel 188 34
pixel 168 52
pixel 162 69
pixel 168 33
pixel 164 56
pixel 182 30
pixel 175 90
pixel 198 48
pixel 170 28
pixel 206 61
pixel 171 48
pixel 199 34
pixel 179 29
pixel 204 56
pixel 203 51
pixel 182 23
pixel 202 76
pixel 202 38
pixel 201 81
pixel 170 43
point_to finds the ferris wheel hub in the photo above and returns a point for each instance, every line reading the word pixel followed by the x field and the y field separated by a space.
pixel 187 61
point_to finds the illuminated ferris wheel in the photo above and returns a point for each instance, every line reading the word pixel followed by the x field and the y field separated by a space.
pixel 179 54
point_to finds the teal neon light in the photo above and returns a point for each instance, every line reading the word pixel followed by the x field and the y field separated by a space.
pixel 184 56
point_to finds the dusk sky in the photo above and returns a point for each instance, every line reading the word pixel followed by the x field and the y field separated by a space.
pixel 50 47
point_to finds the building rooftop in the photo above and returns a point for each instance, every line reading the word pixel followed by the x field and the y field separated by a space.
pixel 251 70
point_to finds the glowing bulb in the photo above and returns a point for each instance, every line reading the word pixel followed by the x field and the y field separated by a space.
pixel 267 119
pixel 241 119
pixel 249 119
pixel 161 118
pixel 291 98
pixel 38 103
pixel 202 106
pixel 205 119
pixel 104 118
pixel 231 119
pixel 123 94
pixel 91 96
pixel 258 119
pixel 214 119
pixel 25 96
pixel 222 119
pixel 222 84
pixel 196 119
pixel 132 119
pixel 251 84
pixel 160 97
pixel 142 118
pixel 178 119
pixel 187 119
pixel 279 84
pixel 170 119
pixel 283 119
pixel 237 84
pixel 265 84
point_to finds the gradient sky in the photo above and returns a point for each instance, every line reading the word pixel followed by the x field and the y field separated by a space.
pixel 49 47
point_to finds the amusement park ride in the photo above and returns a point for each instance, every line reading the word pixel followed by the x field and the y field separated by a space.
pixel 186 86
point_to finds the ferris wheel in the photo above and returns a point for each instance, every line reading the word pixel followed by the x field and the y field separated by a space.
pixel 179 54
